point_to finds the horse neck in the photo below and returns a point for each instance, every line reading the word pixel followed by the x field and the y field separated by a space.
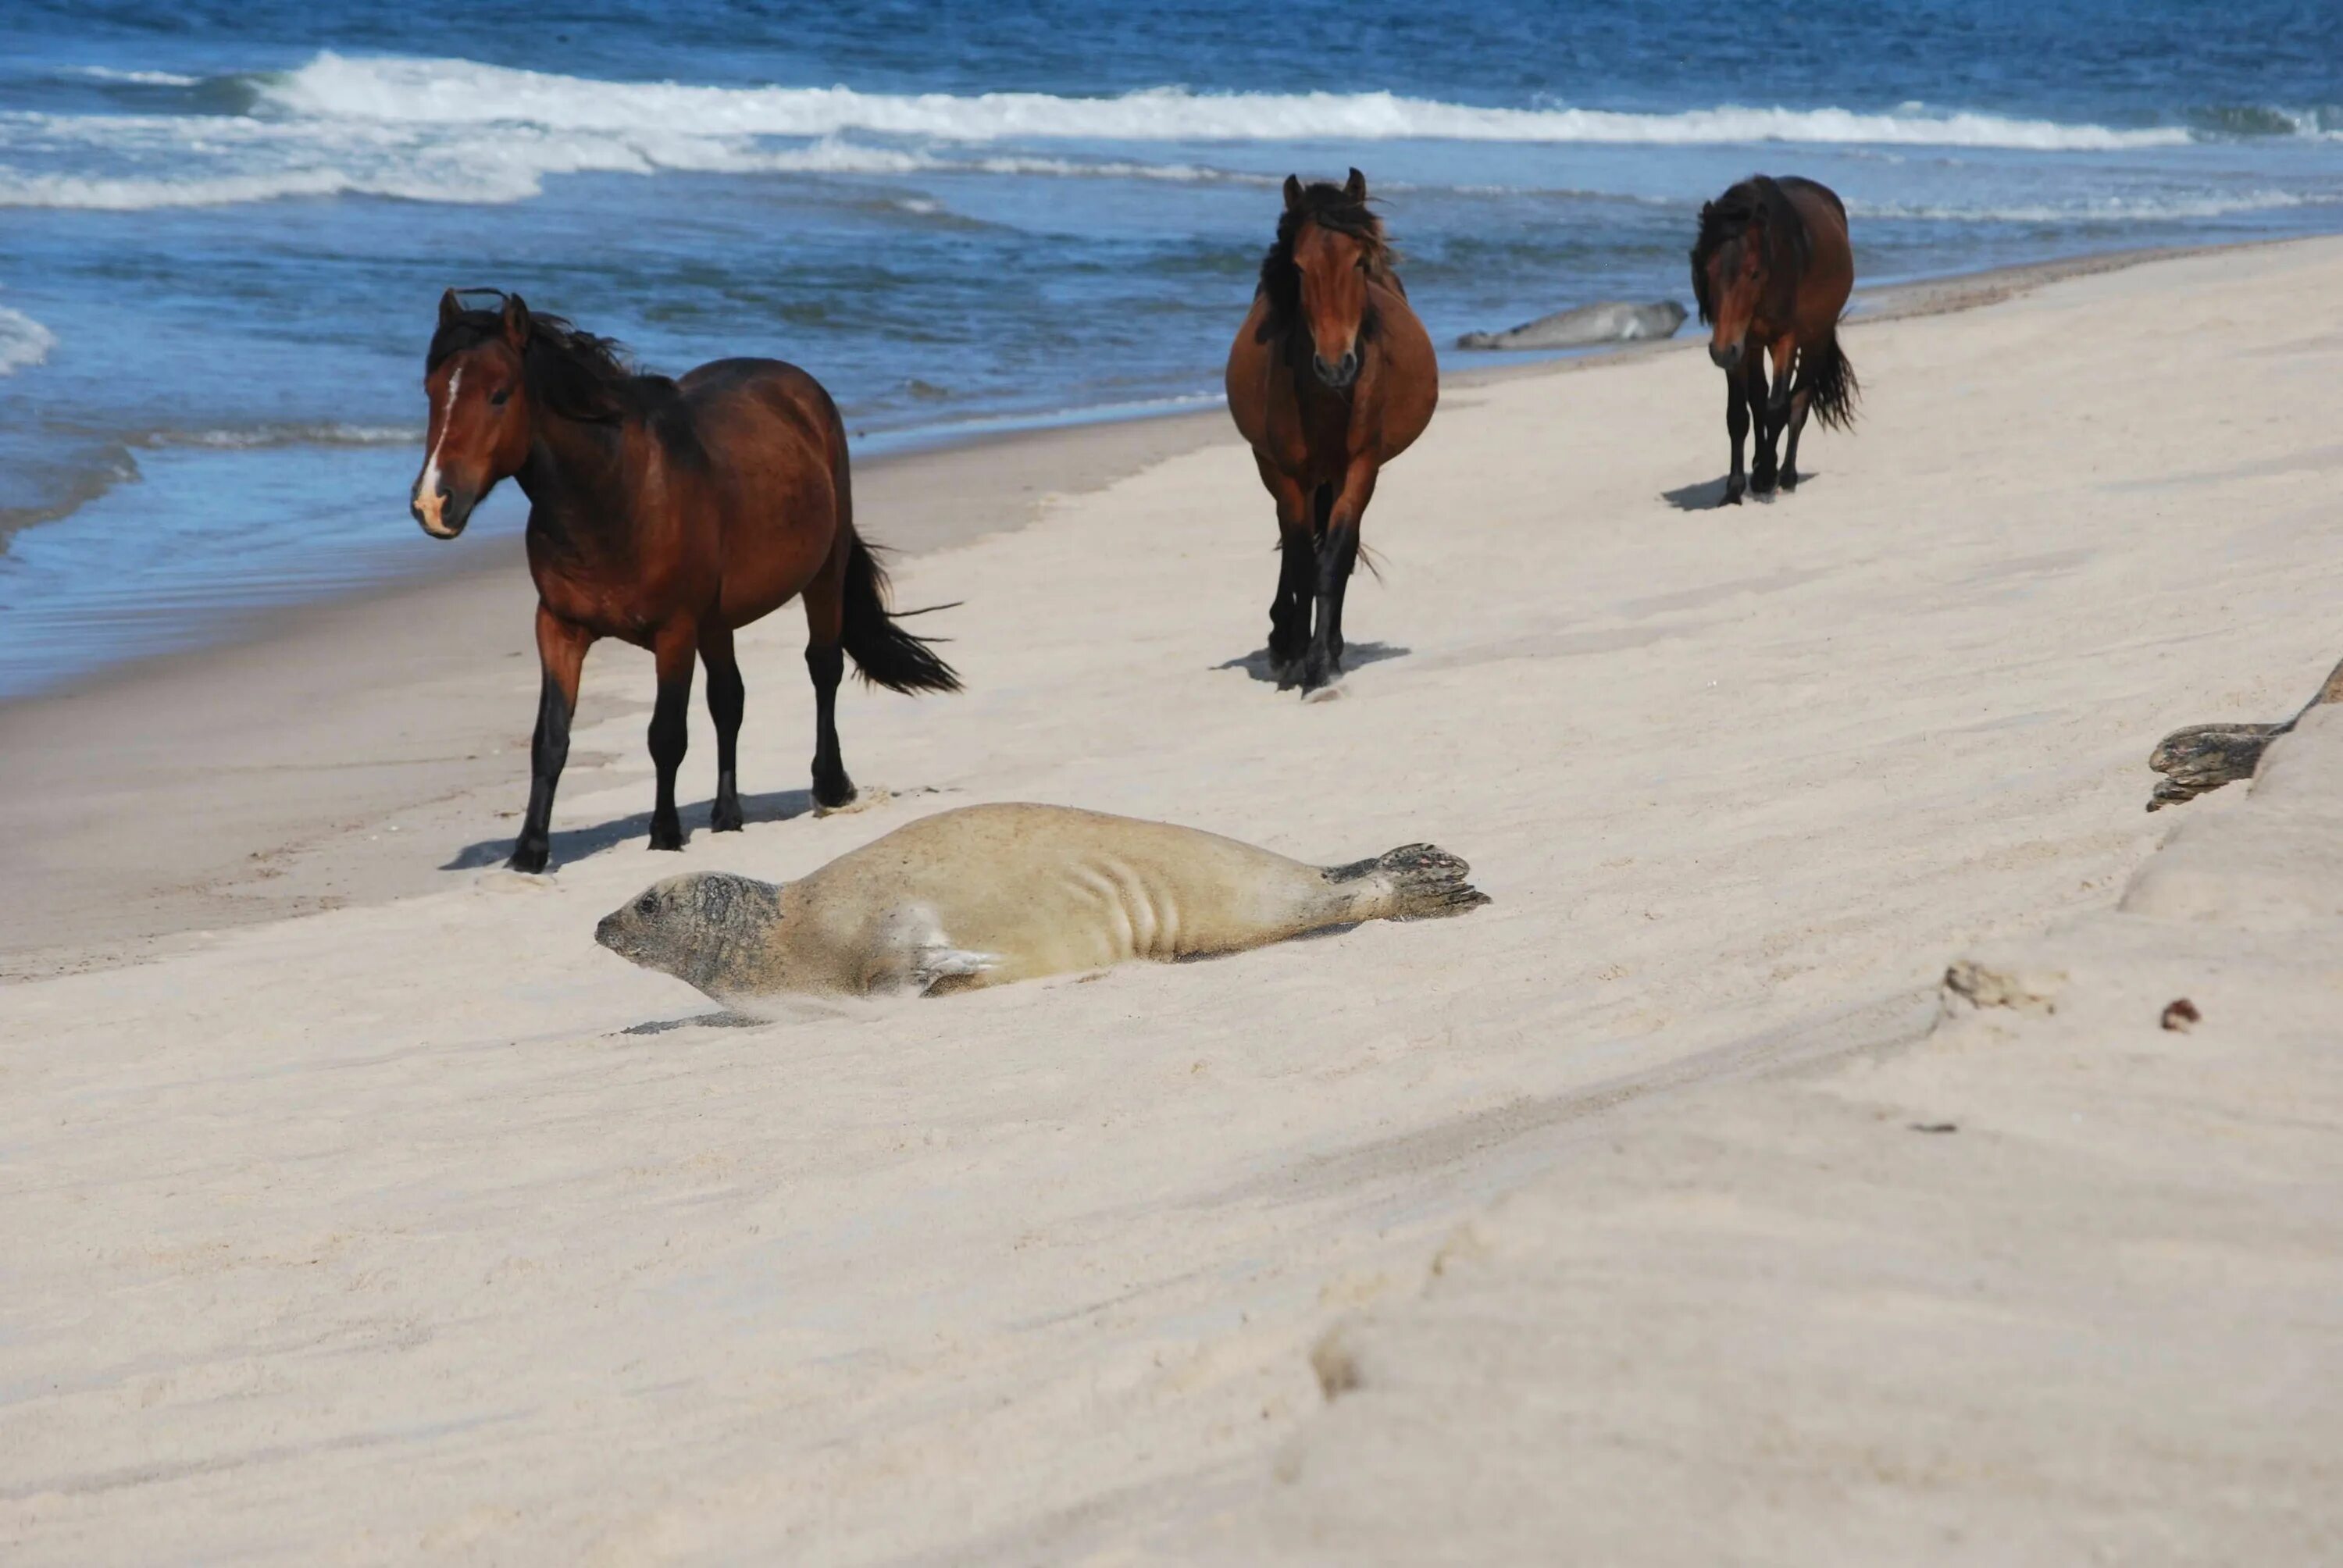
pixel 576 476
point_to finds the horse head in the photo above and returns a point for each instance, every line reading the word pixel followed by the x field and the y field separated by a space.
pixel 475 378
pixel 1334 260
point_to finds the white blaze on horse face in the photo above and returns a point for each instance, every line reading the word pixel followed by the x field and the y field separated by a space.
pixel 429 501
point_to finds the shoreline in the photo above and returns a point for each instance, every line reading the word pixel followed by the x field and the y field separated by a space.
pixel 373 698
pixel 1081 441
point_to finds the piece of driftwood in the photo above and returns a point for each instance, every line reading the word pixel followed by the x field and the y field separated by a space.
pixel 2203 757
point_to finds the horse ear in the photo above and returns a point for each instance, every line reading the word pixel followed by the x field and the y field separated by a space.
pixel 1357 189
pixel 1294 193
pixel 516 323
pixel 450 307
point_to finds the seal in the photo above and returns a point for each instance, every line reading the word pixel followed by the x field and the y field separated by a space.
pixel 1611 321
pixel 986 895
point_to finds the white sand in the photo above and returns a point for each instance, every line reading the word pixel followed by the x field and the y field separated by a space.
pixel 374 1236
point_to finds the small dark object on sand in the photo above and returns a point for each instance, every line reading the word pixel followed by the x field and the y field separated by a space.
pixel 1935 1127
pixel 2180 1014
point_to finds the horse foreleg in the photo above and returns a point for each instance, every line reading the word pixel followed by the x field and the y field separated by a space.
pixel 728 698
pixel 1338 552
pixel 560 656
pixel 675 649
pixel 1764 412
pixel 825 657
pixel 1297 550
pixel 1736 425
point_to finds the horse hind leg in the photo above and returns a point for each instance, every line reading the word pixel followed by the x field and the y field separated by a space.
pixel 728 698
pixel 825 657
pixel 670 734
pixel 1798 402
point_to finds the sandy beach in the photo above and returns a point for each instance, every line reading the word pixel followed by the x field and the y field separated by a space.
pixel 362 1209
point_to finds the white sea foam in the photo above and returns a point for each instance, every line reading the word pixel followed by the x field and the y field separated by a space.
pixel 446 130
pixel 143 78
pixel 24 342
pixel 460 92
pixel 2145 208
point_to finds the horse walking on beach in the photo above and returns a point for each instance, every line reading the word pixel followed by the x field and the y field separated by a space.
pixel 1330 377
pixel 1771 271
pixel 668 514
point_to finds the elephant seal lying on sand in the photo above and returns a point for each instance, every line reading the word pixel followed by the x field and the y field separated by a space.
pixel 989 894
pixel 1612 321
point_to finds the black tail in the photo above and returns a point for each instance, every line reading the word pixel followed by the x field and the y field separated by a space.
pixel 1831 387
pixel 885 654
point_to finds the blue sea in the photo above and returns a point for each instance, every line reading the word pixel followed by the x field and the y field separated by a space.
pixel 225 223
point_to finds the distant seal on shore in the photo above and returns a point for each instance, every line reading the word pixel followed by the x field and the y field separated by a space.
pixel 986 895
pixel 1612 321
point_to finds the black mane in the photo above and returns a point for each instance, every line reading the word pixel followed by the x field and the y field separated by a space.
pixel 1329 206
pixel 570 371
pixel 1726 220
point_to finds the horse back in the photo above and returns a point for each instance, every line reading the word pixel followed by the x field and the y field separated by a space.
pixel 777 477
pixel 1829 275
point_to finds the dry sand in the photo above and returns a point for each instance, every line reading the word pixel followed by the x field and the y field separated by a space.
pixel 1595 1225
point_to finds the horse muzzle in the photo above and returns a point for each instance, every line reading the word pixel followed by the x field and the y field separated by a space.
pixel 442 514
pixel 1338 373
pixel 1725 359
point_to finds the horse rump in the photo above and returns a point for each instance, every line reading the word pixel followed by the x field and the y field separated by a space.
pixel 1831 387
pixel 884 654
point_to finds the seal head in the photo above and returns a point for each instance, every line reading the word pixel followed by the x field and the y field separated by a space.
pixel 707 928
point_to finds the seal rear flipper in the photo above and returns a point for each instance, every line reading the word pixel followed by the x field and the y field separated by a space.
pixel 1419 881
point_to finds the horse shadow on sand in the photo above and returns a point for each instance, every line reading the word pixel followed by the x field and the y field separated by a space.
pixel 1354 656
pixel 1710 493
pixel 572 844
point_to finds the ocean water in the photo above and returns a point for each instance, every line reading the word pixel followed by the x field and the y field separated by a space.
pixel 223 226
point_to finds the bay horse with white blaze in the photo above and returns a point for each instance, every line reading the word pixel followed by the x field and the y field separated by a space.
pixel 1330 377
pixel 1771 271
pixel 667 514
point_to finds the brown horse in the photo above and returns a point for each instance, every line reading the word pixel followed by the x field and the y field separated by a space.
pixel 1332 377
pixel 668 514
pixel 1771 270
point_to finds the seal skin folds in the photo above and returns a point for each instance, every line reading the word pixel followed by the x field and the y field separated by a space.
pixel 989 894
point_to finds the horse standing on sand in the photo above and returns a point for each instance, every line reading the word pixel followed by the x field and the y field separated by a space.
pixel 1771 272
pixel 668 514
pixel 1330 377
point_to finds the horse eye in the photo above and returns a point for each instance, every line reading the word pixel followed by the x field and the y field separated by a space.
pixel 499 398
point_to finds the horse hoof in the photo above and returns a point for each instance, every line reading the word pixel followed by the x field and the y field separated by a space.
pixel 835 797
pixel 1789 479
pixel 1732 498
pixel 662 837
pixel 529 859
pixel 722 821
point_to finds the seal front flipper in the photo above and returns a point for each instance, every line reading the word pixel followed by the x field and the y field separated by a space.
pixel 921 959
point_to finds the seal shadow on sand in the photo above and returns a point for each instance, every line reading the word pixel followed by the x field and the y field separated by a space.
pixel 1702 497
pixel 1354 654
pixel 577 843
